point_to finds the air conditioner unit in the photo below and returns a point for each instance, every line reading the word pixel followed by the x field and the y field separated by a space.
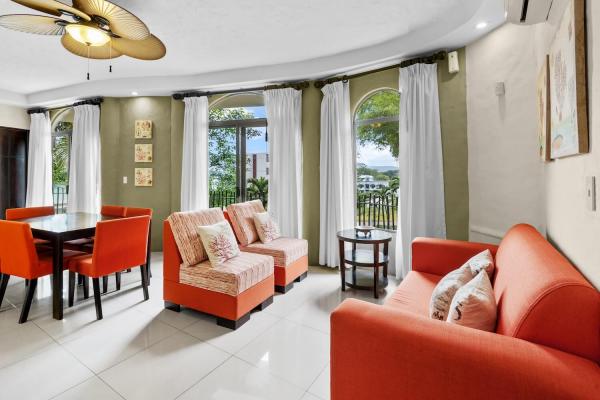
pixel 527 12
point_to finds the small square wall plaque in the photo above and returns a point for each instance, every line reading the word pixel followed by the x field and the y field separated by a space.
pixel 143 153
pixel 143 129
pixel 143 177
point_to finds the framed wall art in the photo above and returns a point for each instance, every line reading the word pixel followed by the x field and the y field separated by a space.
pixel 143 129
pixel 543 105
pixel 143 153
pixel 143 177
pixel 568 86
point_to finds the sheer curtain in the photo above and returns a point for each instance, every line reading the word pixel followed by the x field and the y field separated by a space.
pixel 284 115
pixel 39 162
pixel 84 166
pixel 337 170
pixel 194 164
pixel 421 211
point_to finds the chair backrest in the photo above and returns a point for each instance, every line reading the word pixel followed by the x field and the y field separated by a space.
pixel 136 212
pixel 18 256
pixel 242 220
pixel 28 212
pixel 185 232
pixel 542 298
pixel 119 244
pixel 113 211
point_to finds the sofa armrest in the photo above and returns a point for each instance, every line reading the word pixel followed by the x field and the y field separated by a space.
pixel 171 257
pixel 440 256
pixel 378 352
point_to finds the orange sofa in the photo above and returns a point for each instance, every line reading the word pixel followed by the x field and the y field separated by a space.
pixel 546 344
pixel 186 285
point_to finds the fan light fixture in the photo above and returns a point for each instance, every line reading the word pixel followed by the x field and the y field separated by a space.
pixel 88 35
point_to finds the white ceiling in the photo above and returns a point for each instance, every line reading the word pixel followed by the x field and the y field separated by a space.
pixel 217 43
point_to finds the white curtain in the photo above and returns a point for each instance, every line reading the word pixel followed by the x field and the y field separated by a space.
pixel 337 170
pixel 421 211
pixel 284 116
pixel 39 162
pixel 194 164
pixel 84 166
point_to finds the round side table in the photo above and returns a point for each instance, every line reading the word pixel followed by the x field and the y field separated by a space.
pixel 357 276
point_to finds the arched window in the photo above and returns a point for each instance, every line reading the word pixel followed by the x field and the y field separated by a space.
pixel 376 129
pixel 62 129
pixel 238 149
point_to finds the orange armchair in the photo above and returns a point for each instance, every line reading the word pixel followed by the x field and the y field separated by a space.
pixel 119 244
pixel 13 214
pixel 18 257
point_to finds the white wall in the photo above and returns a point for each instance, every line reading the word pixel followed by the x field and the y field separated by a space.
pixel 508 183
pixel 13 117
pixel 505 177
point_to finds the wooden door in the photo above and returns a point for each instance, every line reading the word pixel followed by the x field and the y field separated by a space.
pixel 13 168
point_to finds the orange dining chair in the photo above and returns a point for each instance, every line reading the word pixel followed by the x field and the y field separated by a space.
pixel 119 243
pixel 13 214
pixel 136 212
pixel 18 257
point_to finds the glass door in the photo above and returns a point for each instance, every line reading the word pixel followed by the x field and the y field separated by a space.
pixel 238 161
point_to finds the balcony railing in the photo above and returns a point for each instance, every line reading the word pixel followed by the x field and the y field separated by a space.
pixel 378 210
pixel 60 195
pixel 223 198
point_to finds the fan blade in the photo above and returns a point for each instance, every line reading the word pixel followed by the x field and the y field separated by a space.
pixel 95 52
pixel 147 49
pixel 121 21
pixel 53 7
pixel 37 24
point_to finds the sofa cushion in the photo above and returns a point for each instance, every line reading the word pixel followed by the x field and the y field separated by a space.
pixel 242 220
pixel 474 304
pixel 542 298
pixel 184 226
pixel 232 277
pixel 284 250
pixel 266 228
pixel 444 291
pixel 414 292
pixel 219 242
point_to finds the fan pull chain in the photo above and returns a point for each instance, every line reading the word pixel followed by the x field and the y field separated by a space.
pixel 88 63
pixel 110 57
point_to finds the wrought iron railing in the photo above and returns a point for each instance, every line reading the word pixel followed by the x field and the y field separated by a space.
pixel 377 209
pixel 60 196
pixel 223 198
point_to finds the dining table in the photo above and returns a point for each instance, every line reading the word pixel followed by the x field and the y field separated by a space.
pixel 58 229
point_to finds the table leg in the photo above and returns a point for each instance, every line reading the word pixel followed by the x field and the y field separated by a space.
pixel 375 269
pixel 342 266
pixel 385 253
pixel 57 278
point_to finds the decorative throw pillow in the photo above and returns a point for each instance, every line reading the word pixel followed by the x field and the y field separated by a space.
pixel 219 242
pixel 442 295
pixel 482 261
pixel 266 228
pixel 474 305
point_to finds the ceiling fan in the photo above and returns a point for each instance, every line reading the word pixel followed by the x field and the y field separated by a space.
pixel 95 29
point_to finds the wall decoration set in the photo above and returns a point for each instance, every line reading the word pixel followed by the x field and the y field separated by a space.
pixel 143 153
pixel 562 89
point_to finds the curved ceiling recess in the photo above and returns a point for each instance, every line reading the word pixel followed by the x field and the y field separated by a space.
pixel 224 45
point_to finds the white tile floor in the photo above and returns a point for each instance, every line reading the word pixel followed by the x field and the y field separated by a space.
pixel 142 351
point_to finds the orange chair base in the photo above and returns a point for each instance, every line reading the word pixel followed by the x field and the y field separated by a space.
pixel 232 308
pixel 285 276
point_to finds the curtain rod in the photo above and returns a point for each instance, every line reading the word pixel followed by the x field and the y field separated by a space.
pixel 440 55
pixel 93 101
pixel 294 85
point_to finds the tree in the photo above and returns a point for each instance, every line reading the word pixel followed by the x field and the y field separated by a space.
pixel 372 125
pixel 60 153
pixel 258 188
pixel 222 148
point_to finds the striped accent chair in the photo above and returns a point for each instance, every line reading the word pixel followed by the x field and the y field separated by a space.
pixel 229 291
pixel 290 254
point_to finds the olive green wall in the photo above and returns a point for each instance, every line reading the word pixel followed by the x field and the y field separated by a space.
pixel 117 133
pixel 119 114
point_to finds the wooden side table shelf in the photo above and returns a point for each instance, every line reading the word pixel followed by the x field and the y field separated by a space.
pixel 358 276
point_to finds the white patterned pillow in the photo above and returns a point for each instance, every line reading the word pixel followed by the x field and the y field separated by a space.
pixel 444 291
pixel 481 261
pixel 266 228
pixel 219 242
pixel 474 305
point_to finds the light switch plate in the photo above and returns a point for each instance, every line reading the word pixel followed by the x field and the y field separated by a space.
pixel 590 193
pixel 125 180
